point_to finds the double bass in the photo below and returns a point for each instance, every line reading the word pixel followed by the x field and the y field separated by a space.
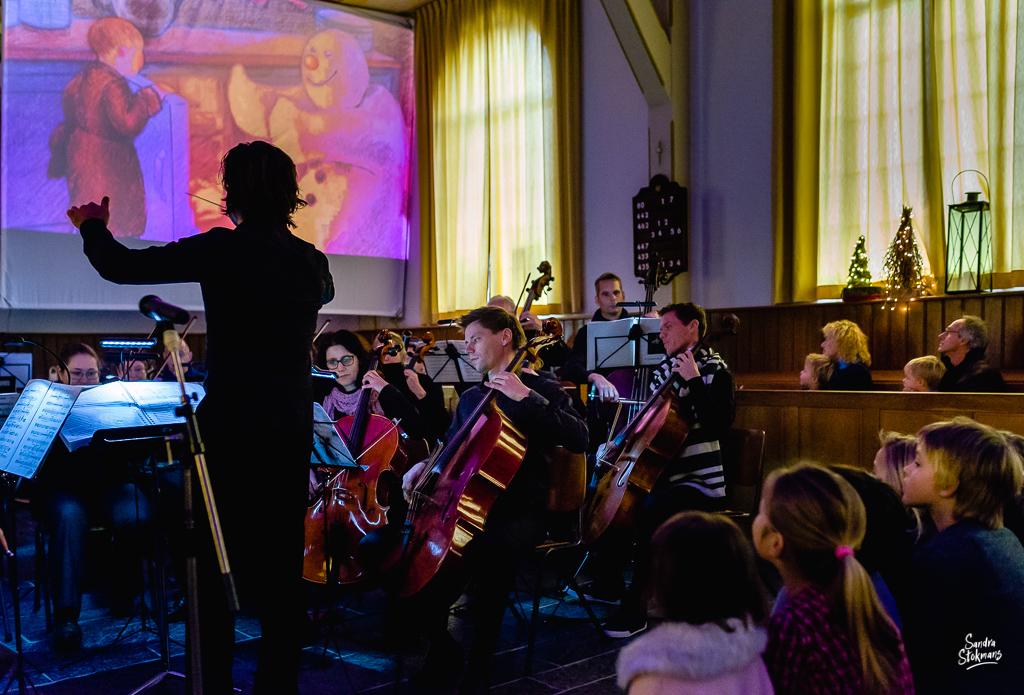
pixel 354 500
pixel 639 453
pixel 454 493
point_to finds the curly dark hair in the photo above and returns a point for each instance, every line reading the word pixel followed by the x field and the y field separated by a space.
pixel 260 184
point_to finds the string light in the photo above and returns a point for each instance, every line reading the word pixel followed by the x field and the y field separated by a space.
pixel 903 265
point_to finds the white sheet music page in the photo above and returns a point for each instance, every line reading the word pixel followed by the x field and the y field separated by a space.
pixel 121 404
pixel 32 425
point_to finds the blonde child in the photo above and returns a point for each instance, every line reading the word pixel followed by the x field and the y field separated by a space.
pixel 831 635
pixel 923 374
pixel 705 587
pixel 966 608
pixel 816 372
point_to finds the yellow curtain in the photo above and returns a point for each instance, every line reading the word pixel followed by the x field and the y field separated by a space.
pixel 910 92
pixel 498 113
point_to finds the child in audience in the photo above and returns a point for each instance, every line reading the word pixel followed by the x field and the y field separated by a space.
pixel 817 370
pixel 967 606
pixel 847 346
pixel 706 589
pixel 831 635
pixel 896 453
pixel 923 374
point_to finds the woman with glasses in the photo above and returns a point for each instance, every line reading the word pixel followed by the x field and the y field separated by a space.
pixel 345 354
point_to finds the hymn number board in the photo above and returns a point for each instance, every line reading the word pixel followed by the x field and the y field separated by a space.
pixel 659 227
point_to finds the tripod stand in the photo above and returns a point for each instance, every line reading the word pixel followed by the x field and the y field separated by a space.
pixel 19 674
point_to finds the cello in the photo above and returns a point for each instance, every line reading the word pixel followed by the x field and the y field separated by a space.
pixel 354 500
pixel 641 451
pixel 454 493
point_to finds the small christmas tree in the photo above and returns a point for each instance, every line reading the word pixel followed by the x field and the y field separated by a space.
pixel 903 263
pixel 859 275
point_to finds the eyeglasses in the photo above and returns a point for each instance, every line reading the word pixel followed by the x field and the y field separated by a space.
pixel 345 361
pixel 951 331
pixel 89 373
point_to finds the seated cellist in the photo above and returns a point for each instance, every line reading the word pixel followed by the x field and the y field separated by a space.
pixel 541 410
pixel 344 353
pixel 694 480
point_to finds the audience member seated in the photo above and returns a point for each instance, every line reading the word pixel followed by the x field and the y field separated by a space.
pixel 831 635
pixel 962 346
pixel 897 451
pixel 816 372
pixel 923 374
pixel 847 346
pixel 966 608
pixel 76 491
pixel 706 590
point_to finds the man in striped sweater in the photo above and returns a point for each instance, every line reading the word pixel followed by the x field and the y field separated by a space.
pixel 695 479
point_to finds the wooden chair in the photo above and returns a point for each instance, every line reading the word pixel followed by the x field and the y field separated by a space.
pixel 566 497
pixel 743 460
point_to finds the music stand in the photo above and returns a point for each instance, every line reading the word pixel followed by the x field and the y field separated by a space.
pixel 449 365
pixel 612 344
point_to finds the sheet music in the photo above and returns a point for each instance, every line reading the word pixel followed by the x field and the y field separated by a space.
pixel 328 447
pixel 120 404
pixel 32 426
pixel 7 401
pixel 441 367
pixel 608 344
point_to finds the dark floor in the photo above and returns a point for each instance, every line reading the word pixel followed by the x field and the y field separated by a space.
pixel 571 655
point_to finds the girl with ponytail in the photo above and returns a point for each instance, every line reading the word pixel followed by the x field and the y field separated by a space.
pixel 832 634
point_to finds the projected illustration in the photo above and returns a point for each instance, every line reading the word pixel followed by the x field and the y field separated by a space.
pixel 138 100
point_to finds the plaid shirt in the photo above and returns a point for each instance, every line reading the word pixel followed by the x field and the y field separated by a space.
pixel 809 652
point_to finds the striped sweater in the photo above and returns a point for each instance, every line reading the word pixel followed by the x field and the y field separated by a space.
pixel 711 402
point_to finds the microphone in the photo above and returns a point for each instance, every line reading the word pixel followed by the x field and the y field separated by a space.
pixel 155 308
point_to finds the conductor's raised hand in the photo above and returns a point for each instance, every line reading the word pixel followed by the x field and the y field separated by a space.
pixel 90 211
pixel 510 385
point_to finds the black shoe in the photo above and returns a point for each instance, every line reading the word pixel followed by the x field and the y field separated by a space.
pixel 625 624
pixel 67 638
pixel 177 612
pixel 443 663
pixel 598 593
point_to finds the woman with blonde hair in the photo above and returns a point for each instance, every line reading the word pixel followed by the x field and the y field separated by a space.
pixel 847 346
pixel 831 635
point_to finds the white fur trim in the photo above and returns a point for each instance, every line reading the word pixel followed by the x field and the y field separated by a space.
pixel 691 652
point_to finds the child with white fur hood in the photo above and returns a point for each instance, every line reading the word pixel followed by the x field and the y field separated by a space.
pixel 706 588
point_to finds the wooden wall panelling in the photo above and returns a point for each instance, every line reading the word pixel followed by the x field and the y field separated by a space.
pixel 915 344
pixel 825 435
pixel 993 310
pixel 1013 332
pixel 878 331
pixel 934 323
pixel 973 306
pixel 910 421
pixel 771 341
pixel 786 333
pixel 800 345
pixel 756 339
pixel 1013 422
pixel 898 327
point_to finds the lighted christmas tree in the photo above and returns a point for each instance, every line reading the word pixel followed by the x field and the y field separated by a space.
pixel 859 275
pixel 904 265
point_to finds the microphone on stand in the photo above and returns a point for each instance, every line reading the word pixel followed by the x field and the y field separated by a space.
pixel 155 308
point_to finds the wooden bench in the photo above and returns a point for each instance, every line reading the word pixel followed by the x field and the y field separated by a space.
pixel 841 427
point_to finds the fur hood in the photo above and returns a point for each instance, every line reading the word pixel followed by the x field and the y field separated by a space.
pixel 691 652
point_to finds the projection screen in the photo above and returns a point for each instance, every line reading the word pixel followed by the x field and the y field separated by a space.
pixel 140 99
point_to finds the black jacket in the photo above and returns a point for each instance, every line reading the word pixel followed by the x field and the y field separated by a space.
pixel 973 375
pixel 854 376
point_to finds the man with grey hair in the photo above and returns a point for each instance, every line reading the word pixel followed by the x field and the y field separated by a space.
pixel 962 348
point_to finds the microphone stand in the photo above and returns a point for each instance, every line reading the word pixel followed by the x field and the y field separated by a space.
pixel 172 342
pixel 19 671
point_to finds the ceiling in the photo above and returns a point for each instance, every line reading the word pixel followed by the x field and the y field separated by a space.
pixel 393 6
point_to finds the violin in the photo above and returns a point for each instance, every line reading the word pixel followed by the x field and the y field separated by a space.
pixel 354 501
pixel 640 452
pixel 454 493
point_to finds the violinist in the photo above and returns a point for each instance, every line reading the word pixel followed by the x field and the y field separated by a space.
pixel 694 480
pixel 344 353
pixel 193 371
pixel 419 389
pixel 542 411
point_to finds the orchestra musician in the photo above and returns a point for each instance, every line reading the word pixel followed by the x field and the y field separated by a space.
pixel 609 293
pixel 418 388
pixel 694 480
pixel 344 353
pixel 542 411
pixel 256 431
pixel 75 491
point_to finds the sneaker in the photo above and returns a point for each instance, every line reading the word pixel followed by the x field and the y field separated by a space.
pixel 623 625
pixel 67 638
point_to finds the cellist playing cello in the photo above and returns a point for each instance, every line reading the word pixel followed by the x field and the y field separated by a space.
pixel 541 410
pixel 694 479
